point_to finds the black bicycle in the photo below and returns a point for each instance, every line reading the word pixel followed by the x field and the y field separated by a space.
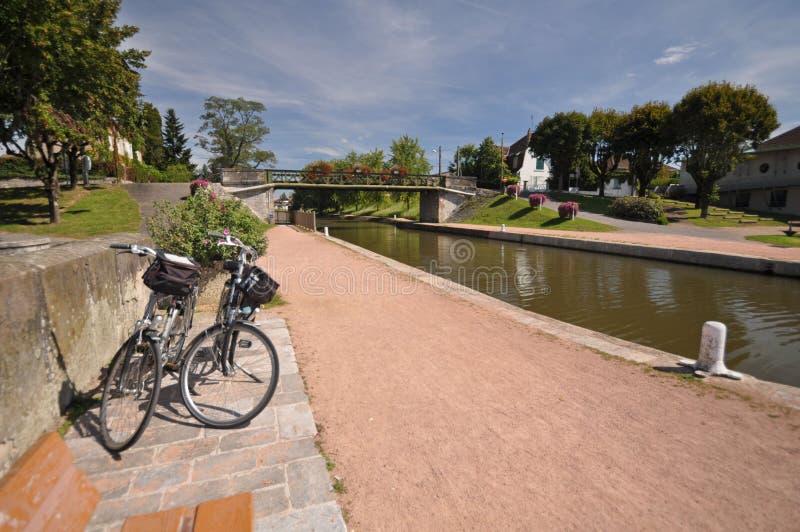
pixel 133 382
pixel 230 370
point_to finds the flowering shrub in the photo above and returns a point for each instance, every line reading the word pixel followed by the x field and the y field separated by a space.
pixel 182 227
pixel 319 169
pixel 636 208
pixel 401 171
pixel 537 200
pixel 513 190
pixel 197 184
pixel 568 209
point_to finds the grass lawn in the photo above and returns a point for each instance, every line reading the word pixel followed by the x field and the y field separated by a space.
pixel 85 211
pixel 518 213
pixel 777 240
pixel 594 204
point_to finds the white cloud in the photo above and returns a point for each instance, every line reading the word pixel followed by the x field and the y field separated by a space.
pixel 676 54
pixel 330 152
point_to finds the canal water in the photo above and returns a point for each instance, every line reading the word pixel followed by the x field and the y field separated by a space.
pixel 654 303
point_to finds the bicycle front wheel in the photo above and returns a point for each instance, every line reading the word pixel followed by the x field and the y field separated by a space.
pixel 229 374
pixel 130 393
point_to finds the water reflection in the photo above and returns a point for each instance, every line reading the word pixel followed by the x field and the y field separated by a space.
pixel 649 302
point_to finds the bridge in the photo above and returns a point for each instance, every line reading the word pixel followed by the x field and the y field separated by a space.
pixel 439 195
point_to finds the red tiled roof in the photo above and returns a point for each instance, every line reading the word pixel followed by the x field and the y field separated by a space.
pixel 784 141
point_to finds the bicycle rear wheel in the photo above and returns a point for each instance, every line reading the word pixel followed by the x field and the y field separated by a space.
pixel 229 375
pixel 130 393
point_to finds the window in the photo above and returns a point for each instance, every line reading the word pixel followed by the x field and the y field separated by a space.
pixel 742 199
pixel 777 198
pixel 616 184
pixel 539 163
pixel 764 168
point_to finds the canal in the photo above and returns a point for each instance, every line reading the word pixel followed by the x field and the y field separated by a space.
pixel 654 303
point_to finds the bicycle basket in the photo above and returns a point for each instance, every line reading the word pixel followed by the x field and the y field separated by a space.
pixel 171 274
pixel 258 287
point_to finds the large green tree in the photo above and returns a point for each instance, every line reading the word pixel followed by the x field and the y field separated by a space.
pixel 151 136
pixel 562 138
pixel 648 142
pixel 174 142
pixel 467 163
pixel 63 79
pixel 605 148
pixel 490 166
pixel 714 125
pixel 232 131
pixel 408 153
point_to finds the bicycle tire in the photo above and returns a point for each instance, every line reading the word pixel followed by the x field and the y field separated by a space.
pixel 123 422
pixel 226 401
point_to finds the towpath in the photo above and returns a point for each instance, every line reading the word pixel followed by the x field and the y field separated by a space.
pixel 442 413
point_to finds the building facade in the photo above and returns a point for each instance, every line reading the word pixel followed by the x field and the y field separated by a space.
pixel 533 171
pixel 768 181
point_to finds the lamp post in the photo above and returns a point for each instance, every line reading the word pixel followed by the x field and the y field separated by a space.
pixel 439 151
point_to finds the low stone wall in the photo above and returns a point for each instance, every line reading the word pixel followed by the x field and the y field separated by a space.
pixel 65 312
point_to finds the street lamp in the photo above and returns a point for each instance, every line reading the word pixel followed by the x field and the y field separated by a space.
pixel 439 151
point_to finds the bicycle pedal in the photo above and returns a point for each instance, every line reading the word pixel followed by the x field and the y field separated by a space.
pixel 171 366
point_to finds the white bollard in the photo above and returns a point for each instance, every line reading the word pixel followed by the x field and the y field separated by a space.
pixel 502 228
pixel 395 217
pixel 325 230
pixel 711 359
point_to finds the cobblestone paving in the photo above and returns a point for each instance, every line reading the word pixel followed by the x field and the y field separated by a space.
pixel 179 462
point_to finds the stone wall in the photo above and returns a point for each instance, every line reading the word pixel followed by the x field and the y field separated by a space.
pixel 66 311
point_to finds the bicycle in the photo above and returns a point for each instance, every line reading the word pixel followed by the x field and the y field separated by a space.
pixel 230 370
pixel 133 382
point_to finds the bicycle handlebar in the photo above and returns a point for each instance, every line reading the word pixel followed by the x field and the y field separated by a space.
pixel 230 240
pixel 135 249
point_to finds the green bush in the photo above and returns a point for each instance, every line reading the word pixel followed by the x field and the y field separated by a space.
pixel 15 167
pixel 634 208
pixel 144 173
pixel 178 173
pixel 182 227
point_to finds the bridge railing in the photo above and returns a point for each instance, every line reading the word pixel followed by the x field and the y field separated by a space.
pixel 249 177
pixel 353 178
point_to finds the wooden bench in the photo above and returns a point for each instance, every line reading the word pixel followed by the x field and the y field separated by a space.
pixel 44 490
pixel 231 514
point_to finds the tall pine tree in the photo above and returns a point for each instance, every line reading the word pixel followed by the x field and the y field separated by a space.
pixel 151 134
pixel 175 150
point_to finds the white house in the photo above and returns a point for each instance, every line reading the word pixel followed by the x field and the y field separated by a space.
pixel 533 171
pixel 769 181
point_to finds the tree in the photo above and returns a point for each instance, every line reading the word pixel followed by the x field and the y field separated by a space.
pixel 714 125
pixel 63 80
pixel 407 152
pixel 562 138
pixel 235 129
pixel 647 140
pixel 174 142
pixel 467 161
pixel 487 165
pixel 605 148
pixel 151 136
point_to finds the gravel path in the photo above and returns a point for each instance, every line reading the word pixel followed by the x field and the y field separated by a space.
pixel 440 415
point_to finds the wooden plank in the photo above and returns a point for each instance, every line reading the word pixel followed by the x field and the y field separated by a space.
pixel 175 520
pixel 45 487
pixel 231 514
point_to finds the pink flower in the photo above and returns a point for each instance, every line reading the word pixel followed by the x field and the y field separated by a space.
pixel 206 241
pixel 226 231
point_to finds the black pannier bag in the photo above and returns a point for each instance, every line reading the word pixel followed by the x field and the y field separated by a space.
pixel 258 287
pixel 171 274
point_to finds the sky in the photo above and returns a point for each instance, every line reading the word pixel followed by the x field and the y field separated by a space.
pixel 342 75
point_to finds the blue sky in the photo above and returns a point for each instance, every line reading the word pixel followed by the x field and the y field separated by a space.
pixel 345 75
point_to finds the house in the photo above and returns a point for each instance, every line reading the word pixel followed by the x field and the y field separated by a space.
pixel 768 181
pixel 533 171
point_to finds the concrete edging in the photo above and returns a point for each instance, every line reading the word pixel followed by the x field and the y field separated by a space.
pixel 780 393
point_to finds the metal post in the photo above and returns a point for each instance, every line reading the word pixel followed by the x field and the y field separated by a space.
pixel 458 164
pixel 440 159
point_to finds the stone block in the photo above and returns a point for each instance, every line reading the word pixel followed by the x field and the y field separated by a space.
pixel 321 518
pixel 308 482
pixel 269 501
pixel 241 439
pixel 295 421
pixel 156 478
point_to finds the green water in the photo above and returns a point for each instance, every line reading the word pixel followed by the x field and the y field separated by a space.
pixel 653 303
